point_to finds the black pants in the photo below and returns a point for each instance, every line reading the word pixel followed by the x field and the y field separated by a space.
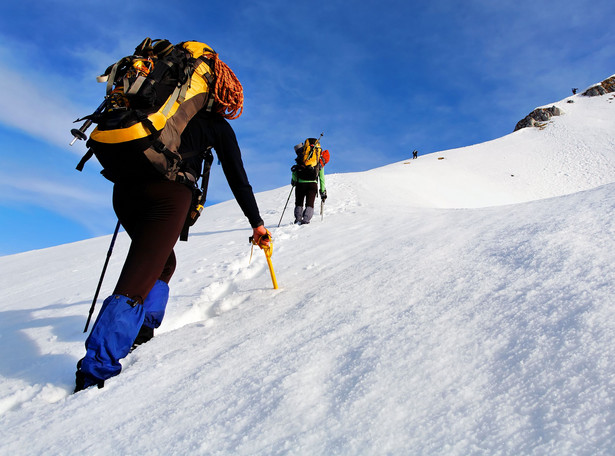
pixel 153 214
pixel 306 191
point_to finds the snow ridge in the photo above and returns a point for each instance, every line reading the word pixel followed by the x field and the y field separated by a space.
pixel 455 304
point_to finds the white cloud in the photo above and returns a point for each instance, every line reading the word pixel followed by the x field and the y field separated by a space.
pixel 36 108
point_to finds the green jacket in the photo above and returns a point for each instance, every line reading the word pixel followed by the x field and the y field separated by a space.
pixel 321 178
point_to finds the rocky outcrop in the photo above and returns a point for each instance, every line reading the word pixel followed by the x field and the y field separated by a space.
pixel 538 117
pixel 602 88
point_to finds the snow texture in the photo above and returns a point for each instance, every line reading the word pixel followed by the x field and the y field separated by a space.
pixel 460 303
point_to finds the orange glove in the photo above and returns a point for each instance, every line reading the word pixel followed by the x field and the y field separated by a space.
pixel 261 236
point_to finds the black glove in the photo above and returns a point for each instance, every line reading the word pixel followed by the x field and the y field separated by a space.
pixel 293 183
pixel 323 195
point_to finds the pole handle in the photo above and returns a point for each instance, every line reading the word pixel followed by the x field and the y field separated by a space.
pixel 80 132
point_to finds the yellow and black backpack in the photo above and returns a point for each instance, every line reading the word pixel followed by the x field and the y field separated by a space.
pixel 308 159
pixel 150 98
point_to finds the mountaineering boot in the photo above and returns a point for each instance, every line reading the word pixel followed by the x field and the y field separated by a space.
pixel 154 305
pixel 307 215
pixel 145 334
pixel 298 214
pixel 83 382
pixel 113 333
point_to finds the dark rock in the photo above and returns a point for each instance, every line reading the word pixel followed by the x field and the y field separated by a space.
pixel 604 87
pixel 538 116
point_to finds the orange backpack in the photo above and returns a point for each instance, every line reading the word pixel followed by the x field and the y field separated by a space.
pixel 324 158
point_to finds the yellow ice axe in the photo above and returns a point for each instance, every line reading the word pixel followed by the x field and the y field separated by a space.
pixel 268 249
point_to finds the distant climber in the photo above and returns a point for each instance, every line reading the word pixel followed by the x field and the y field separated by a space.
pixel 415 154
pixel 306 176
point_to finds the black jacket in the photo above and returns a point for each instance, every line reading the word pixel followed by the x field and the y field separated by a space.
pixel 211 129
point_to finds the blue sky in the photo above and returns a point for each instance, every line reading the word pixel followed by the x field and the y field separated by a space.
pixel 379 78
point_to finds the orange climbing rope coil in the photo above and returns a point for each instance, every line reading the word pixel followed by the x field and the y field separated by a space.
pixel 228 92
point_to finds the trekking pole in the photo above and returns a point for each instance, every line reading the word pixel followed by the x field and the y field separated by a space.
pixel 102 275
pixel 80 132
pixel 268 249
pixel 287 200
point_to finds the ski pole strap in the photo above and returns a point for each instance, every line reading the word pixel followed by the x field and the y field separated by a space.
pixel 84 159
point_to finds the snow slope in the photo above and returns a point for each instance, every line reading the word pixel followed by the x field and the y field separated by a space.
pixel 443 306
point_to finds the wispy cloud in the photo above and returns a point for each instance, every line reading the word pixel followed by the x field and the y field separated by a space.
pixel 34 108
pixel 89 208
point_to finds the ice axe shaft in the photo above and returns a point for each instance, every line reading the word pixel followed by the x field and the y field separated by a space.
pixel 268 250
pixel 271 271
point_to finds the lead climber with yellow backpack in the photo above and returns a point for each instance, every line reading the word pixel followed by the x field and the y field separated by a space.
pixel 308 178
pixel 165 108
